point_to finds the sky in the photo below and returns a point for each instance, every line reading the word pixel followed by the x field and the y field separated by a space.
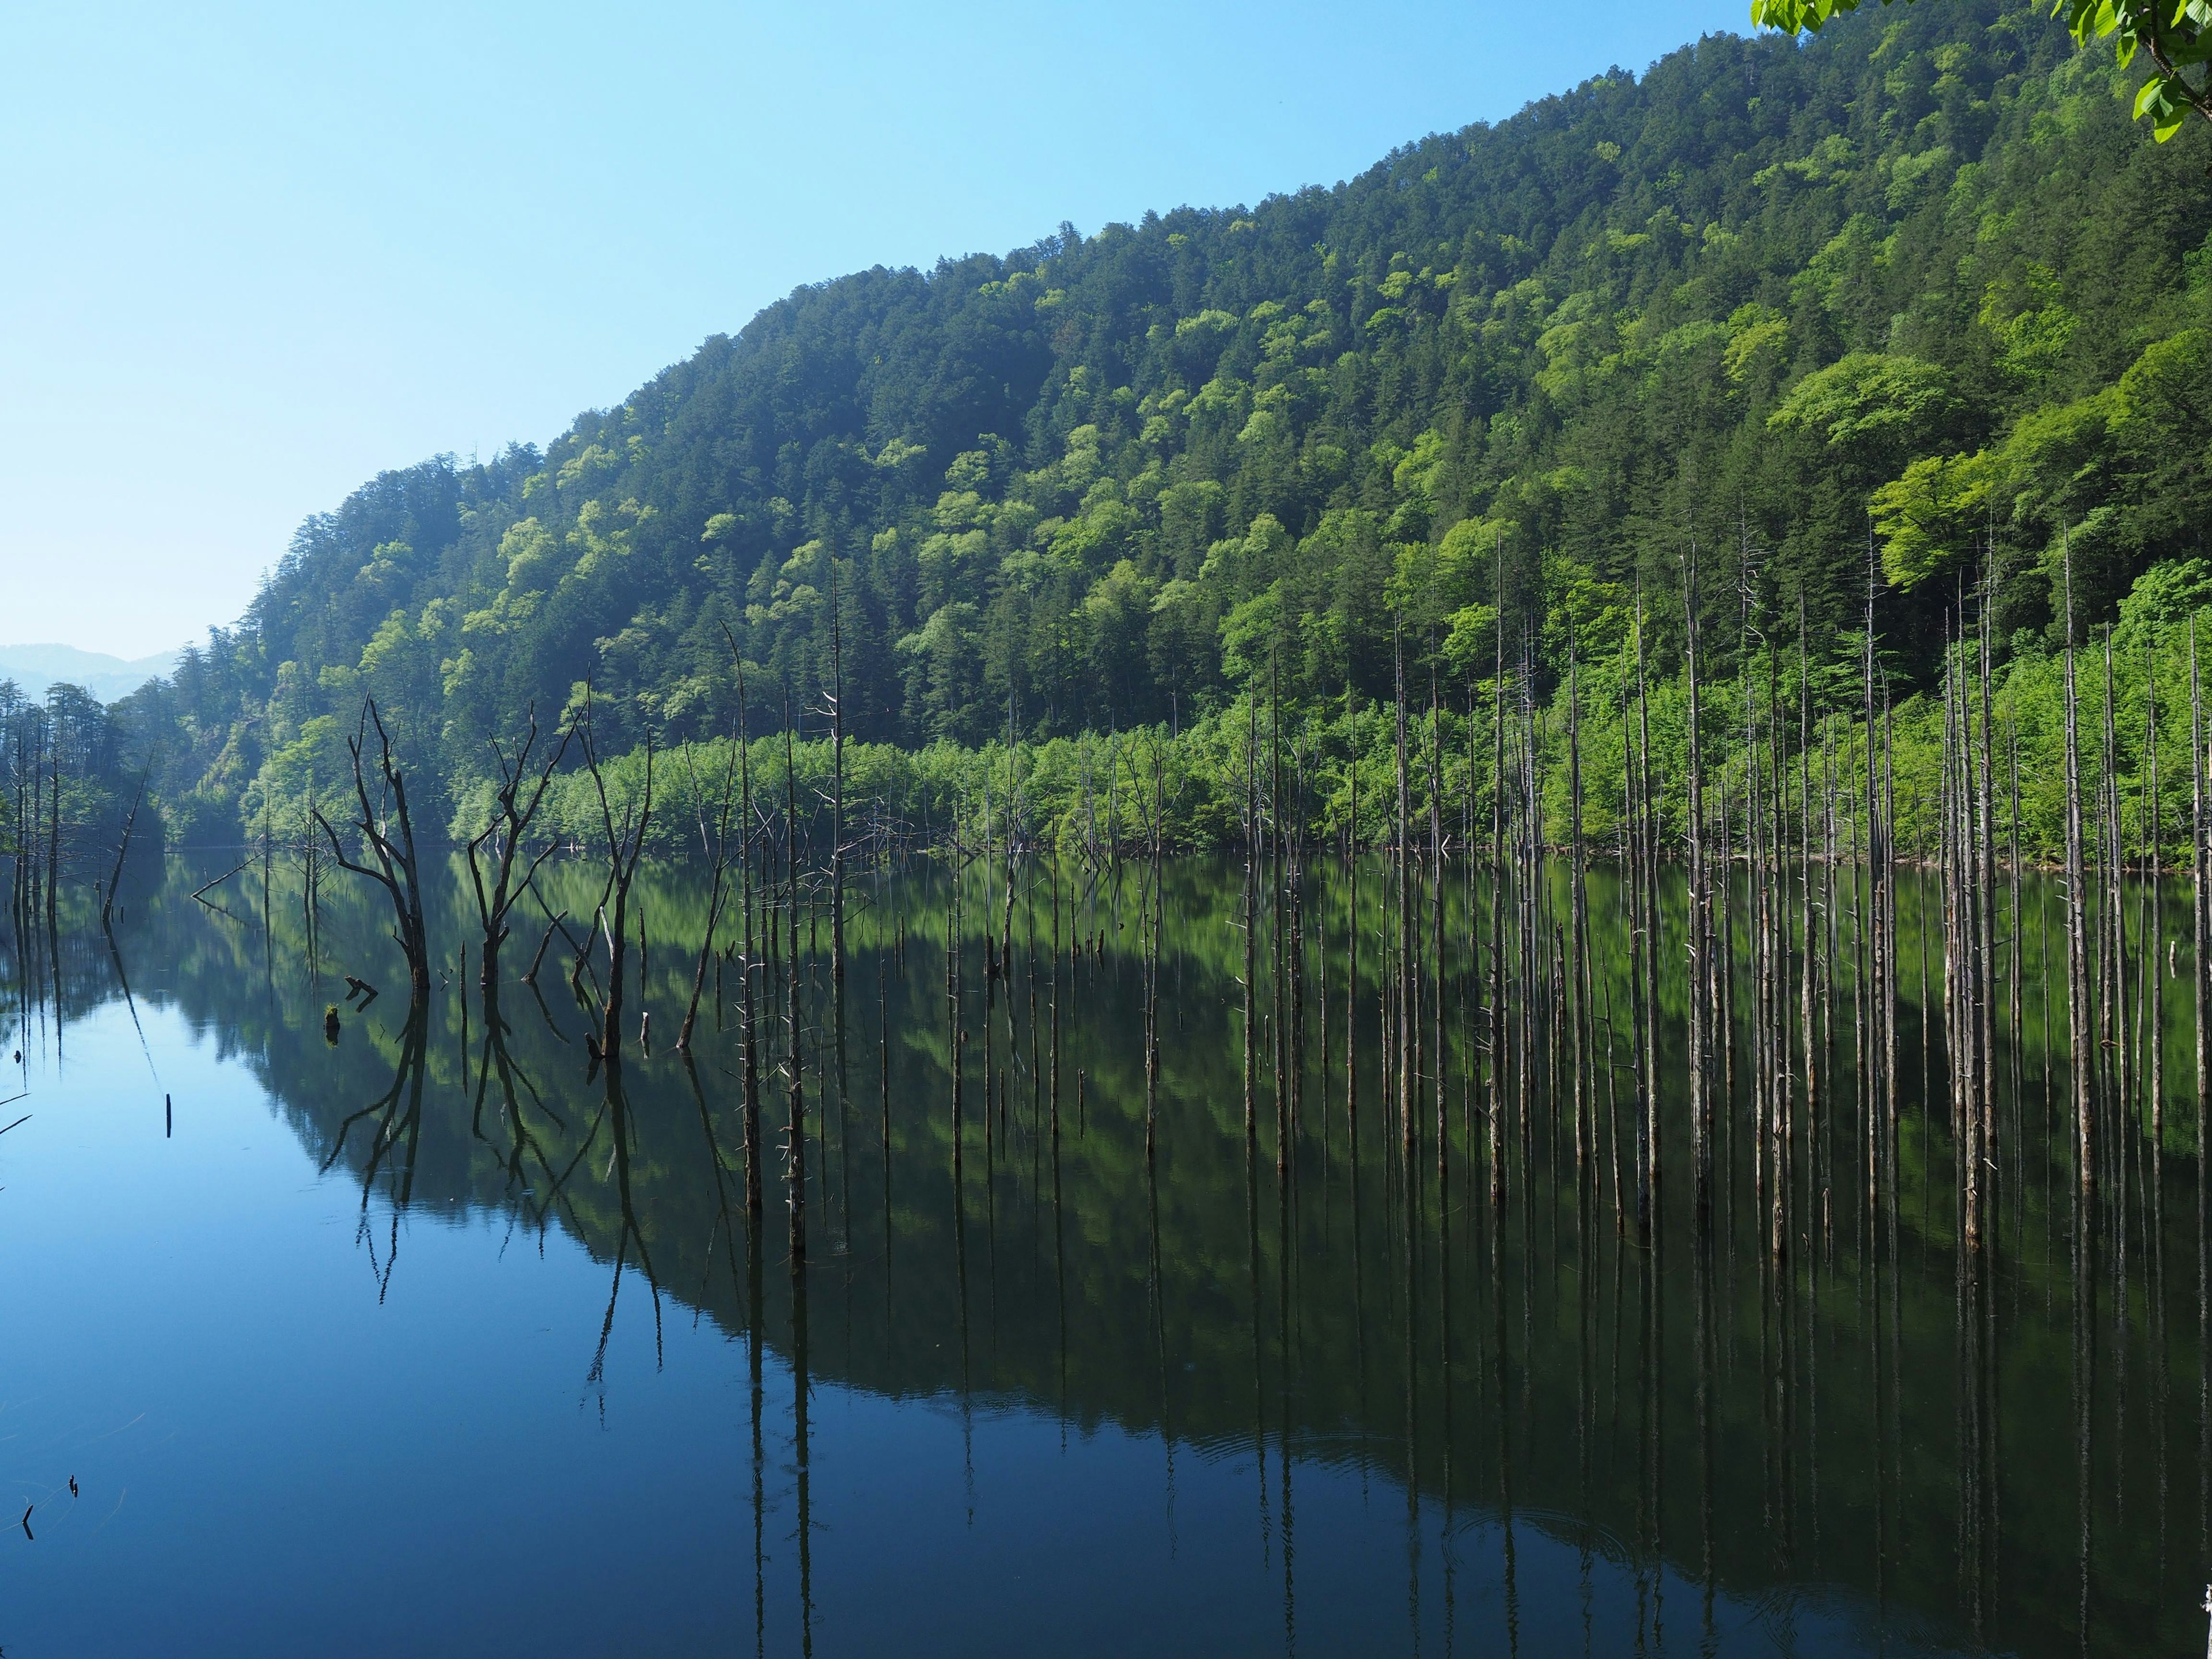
pixel 257 255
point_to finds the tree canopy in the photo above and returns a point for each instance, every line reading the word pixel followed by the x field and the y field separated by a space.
pixel 2173 38
pixel 1906 294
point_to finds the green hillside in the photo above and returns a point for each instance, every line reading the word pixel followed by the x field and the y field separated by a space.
pixel 1922 266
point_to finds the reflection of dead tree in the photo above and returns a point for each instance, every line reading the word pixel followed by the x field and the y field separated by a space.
pixel 559 1193
pixel 406 1080
pixel 395 1123
pixel 625 841
pixel 553 921
pixel 521 1142
pixel 618 1111
pixel 723 1223
pixel 395 867
pixel 582 965
pixel 123 980
pixel 522 791
pixel 199 893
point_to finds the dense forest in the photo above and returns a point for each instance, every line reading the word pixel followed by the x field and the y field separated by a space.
pixel 1910 306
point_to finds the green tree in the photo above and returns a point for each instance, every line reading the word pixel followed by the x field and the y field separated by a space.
pixel 2175 38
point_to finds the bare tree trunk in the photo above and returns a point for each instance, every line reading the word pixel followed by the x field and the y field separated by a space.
pixel 796 1166
pixel 2077 967
pixel 1699 943
pixel 625 842
pixel 716 846
pixel 395 869
pixel 511 825
pixel 123 851
pixel 836 786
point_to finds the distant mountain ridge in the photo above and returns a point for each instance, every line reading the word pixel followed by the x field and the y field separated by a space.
pixel 35 667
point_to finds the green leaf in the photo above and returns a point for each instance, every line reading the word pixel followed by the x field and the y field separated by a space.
pixel 1796 16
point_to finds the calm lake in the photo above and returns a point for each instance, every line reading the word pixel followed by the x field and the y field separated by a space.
pixel 386 1344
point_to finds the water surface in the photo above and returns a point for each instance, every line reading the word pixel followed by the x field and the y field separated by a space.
pixel 378 1347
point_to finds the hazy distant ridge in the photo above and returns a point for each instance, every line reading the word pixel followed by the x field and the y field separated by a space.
pixel 35 667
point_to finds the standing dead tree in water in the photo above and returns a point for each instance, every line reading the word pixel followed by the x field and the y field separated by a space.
pixel 715 843
pixel 1152 916
pixel 1406 985
pixel 521 791
pixel 2198 884
pixel 1578 975
pixel 2077 971
pixel 1437 929
pixel 1278 909
pixel 795 1152
pixel 395 869
pixel 836 699
pixel 123 850
pixel 1251 914
pixel 625 841
pixel 1699 949
pixel 1352 932
pixel 747 1010
pixel 1646 936
pixel 1497 910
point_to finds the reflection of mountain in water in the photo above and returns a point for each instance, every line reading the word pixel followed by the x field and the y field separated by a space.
pixel 1823 1423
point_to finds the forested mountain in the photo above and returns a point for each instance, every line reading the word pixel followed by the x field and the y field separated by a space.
pixel 1921 267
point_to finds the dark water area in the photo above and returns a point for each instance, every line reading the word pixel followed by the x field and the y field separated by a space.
pixel 436 1338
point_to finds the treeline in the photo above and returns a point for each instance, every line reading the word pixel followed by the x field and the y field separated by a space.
pixel 1915 295
pixel 74 774
pixel 1327 771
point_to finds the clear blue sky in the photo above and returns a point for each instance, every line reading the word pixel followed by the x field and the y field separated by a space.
pixel 257 254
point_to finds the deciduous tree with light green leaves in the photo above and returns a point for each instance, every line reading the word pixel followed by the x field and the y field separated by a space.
pixel 2175 36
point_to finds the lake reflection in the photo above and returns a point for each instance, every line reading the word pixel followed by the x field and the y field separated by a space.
pixel 429 1339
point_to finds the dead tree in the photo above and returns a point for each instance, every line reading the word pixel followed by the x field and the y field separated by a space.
pixel 394 868
pixel 522 791
pixel 625 842
pixel 715 842
pixel 123 851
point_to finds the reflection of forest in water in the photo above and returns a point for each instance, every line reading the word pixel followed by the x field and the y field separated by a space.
pixel 1865 1414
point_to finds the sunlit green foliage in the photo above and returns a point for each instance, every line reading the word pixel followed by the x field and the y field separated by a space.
pixel 1911 296
pixel 2175 38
